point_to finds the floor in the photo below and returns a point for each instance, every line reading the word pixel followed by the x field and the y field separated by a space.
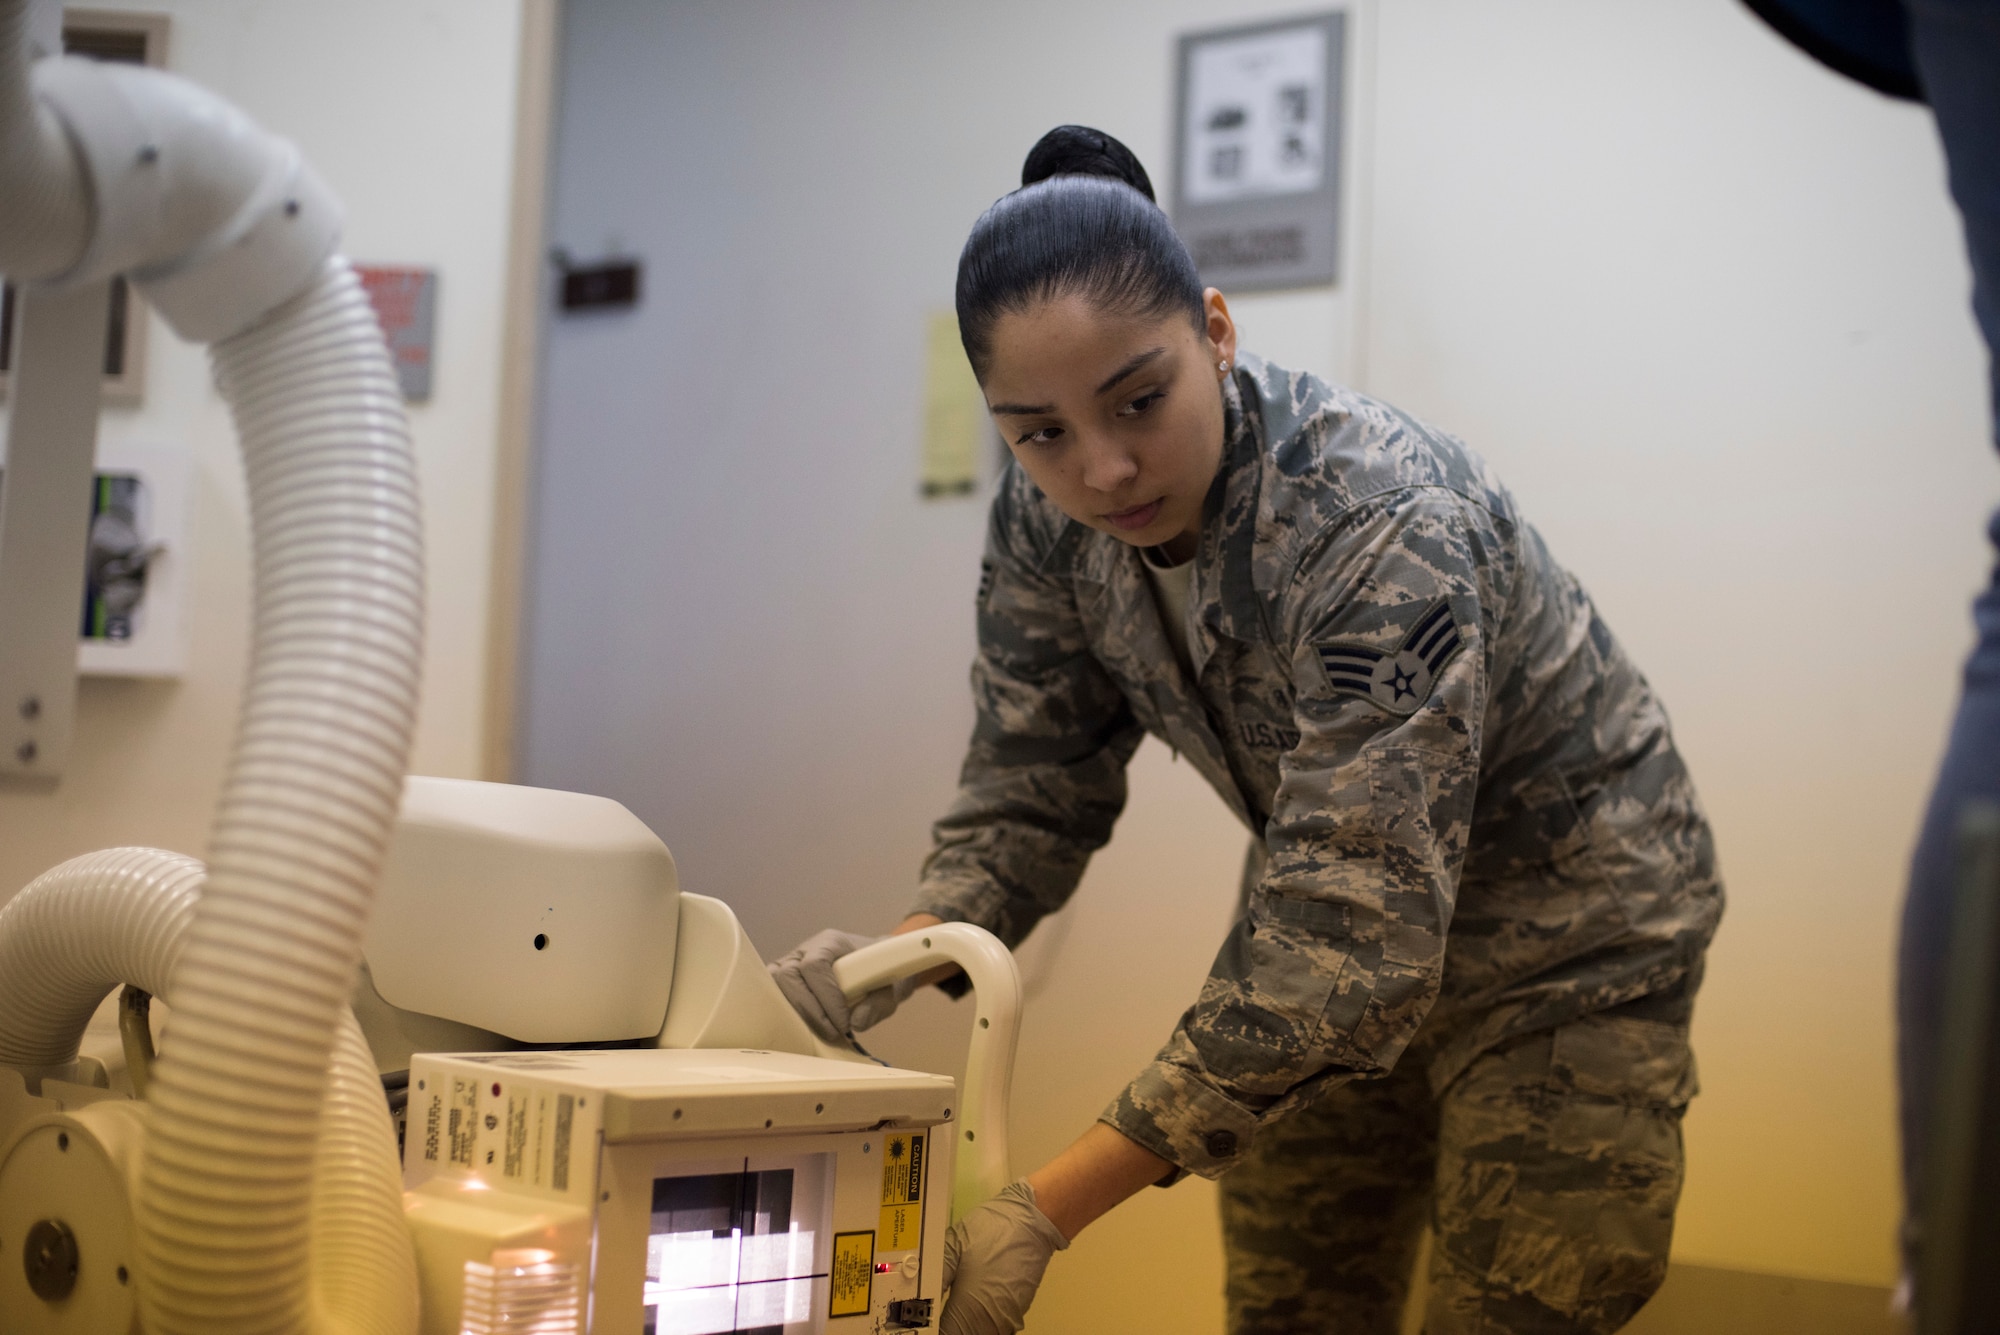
pixel 1704 1300
pixel 1699 1300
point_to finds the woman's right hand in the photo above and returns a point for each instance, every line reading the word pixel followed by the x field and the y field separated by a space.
pixel 805 976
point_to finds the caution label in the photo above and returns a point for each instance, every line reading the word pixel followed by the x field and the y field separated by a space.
pixel 853 1280
pixel 901 1227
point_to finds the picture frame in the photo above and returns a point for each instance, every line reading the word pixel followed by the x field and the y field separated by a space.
pixel 130 38
pixel 1258 152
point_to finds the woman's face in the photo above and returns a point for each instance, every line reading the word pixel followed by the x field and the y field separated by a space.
pixel 1117 419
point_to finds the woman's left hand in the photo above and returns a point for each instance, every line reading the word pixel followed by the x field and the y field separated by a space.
pixel 994 1259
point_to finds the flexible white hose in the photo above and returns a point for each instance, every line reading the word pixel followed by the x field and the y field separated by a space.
pixel 45 207
pixel 81 929
pixel 298 845
pixel 364 1269
pixel 224 1212
pixel 124 916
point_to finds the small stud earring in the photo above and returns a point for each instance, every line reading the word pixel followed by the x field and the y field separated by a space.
pixel 1223 366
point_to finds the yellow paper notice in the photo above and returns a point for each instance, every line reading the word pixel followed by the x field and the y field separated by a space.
pixel 853 1277
pixel 955 422
pixel 901 1227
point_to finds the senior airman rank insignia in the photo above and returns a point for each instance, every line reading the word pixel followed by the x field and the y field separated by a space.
pixel 1398 682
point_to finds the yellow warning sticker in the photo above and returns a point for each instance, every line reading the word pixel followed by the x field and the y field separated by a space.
pixel 853 1274
pixel 902 1224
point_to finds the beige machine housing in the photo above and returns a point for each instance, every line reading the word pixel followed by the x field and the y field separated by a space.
pixel 692 1161
pixel 681 1192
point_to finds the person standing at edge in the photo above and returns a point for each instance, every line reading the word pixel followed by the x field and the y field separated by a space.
pixel 1945 53
pixel 1480 888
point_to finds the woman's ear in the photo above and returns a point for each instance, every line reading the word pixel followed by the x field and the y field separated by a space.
pixel 1220 328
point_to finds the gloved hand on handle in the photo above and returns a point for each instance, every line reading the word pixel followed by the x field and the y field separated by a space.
pixel 805 976
pixel 993 1263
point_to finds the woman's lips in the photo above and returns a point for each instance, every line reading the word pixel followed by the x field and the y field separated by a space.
pixel 1138 516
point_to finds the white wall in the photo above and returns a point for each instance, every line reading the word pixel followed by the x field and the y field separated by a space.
pixel 407 110
pixel 1704 305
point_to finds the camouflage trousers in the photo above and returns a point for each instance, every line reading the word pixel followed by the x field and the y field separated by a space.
pixel 1548 1172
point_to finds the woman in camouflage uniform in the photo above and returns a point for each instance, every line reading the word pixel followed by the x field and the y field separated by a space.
pixel 1481 885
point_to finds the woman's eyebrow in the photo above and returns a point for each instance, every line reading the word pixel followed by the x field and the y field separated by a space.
pixel 1131 368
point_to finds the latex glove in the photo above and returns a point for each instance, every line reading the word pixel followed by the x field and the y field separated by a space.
pixel 805 976
pixel 993 1263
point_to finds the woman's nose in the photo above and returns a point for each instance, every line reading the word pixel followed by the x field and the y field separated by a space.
pixel 1106 467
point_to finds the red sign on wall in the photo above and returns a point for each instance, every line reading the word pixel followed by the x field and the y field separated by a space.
pixel 405 301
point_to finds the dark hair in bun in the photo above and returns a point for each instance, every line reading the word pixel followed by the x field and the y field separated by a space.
pixel 1083 224
pixel 1078 150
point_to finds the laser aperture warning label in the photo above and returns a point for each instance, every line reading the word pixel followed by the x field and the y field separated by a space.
pixel 901 1228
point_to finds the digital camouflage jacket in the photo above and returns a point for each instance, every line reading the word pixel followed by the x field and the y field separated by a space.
pixel 1471 814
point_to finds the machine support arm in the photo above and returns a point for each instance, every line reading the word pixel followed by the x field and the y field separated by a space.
pixel 982 1169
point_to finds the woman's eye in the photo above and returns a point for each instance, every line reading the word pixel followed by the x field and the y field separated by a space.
pixel 1042 436
pixel 1141 404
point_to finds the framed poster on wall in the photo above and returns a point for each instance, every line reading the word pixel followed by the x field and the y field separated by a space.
pixel 1258 152
pixel 135 39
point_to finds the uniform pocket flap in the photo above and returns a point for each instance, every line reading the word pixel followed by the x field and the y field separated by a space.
pixel 1645 1063
pixel 1311 915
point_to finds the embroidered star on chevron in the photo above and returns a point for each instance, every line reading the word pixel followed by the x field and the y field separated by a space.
pixel 1397 682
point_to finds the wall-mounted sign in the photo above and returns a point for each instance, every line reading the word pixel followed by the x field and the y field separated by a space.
pixel 1257 179
pixel 956 426
pixel 405 302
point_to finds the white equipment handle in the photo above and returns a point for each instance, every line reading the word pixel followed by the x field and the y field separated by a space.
pixel 980 1170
